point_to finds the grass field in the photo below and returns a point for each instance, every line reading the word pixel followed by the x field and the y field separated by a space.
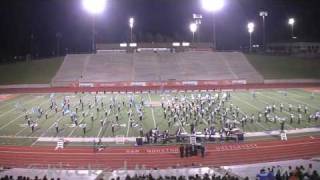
pixel 14 125
pixel 32 72
pixel 285 67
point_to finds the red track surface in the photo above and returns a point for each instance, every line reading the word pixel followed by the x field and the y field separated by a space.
pixel 161 156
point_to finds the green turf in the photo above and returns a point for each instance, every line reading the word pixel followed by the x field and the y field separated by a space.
pixel 32 72
pixel 13 124
pixel 285 67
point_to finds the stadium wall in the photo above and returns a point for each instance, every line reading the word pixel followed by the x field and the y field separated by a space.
pixel 155 86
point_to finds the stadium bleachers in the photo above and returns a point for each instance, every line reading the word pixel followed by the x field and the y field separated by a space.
pixel 159 66
pixel 241 67
pixel 71 69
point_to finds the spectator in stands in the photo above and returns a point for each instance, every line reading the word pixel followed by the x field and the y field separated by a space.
pixel 263 175
pixel 278 175
pixel 309 170
pixel 270 174
pixel 315 175
pixel 292 176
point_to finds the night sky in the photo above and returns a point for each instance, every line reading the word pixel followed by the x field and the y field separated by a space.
pixel 31 25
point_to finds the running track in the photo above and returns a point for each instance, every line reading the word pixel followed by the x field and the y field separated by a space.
pixel 159 156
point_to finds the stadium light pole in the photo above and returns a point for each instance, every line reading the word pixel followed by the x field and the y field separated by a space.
pixel 58 37
pixel 197 18
pixel 94 7
pixel 213 6
pixel 193 28
pixel 131 23
pixel 263 14
pixel 250 27
pixel 291 22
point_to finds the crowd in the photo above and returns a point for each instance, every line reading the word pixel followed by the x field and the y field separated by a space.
pixel 27 178
pixel 193 177
pixel 297 173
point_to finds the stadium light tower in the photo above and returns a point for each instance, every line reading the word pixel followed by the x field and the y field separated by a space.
pixel 263 14
pixel 197 18
pixel 193 28
pixel 131 23
pixel 250 27
pixel 213 6
pixel 291 22
pixel 94 7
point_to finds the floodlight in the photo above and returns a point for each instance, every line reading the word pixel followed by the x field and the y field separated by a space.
pixel 193 27
pixel 185 44
pixel 250 27
pixel 263 13
pixel 94 6
pixel 131 22
pixel 291 21
pixel 175 44
pixel 123 44
pixel 133 44
pixel 212 5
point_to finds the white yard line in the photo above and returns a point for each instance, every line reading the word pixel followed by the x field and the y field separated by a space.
pixel 265 128
pixel 27 127
pixel 152 112
pixel 10 122
pixel 42 134
pixel 83 99
pixel 314 107
pixel 99 132
pixel 104 122
pixel 178 118
pixel 102 127
pixel 76 127
pixel 282 111
pixel 27 102
pixel 128 127
pixel 11 103
pixel 75 101
pixel 19 132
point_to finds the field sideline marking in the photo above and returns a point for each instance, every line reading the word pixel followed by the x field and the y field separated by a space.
pixel 152 112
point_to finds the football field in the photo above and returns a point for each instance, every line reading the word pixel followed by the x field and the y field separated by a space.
pixel 14 128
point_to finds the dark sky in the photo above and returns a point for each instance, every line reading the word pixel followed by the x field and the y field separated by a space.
pixel 168 18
